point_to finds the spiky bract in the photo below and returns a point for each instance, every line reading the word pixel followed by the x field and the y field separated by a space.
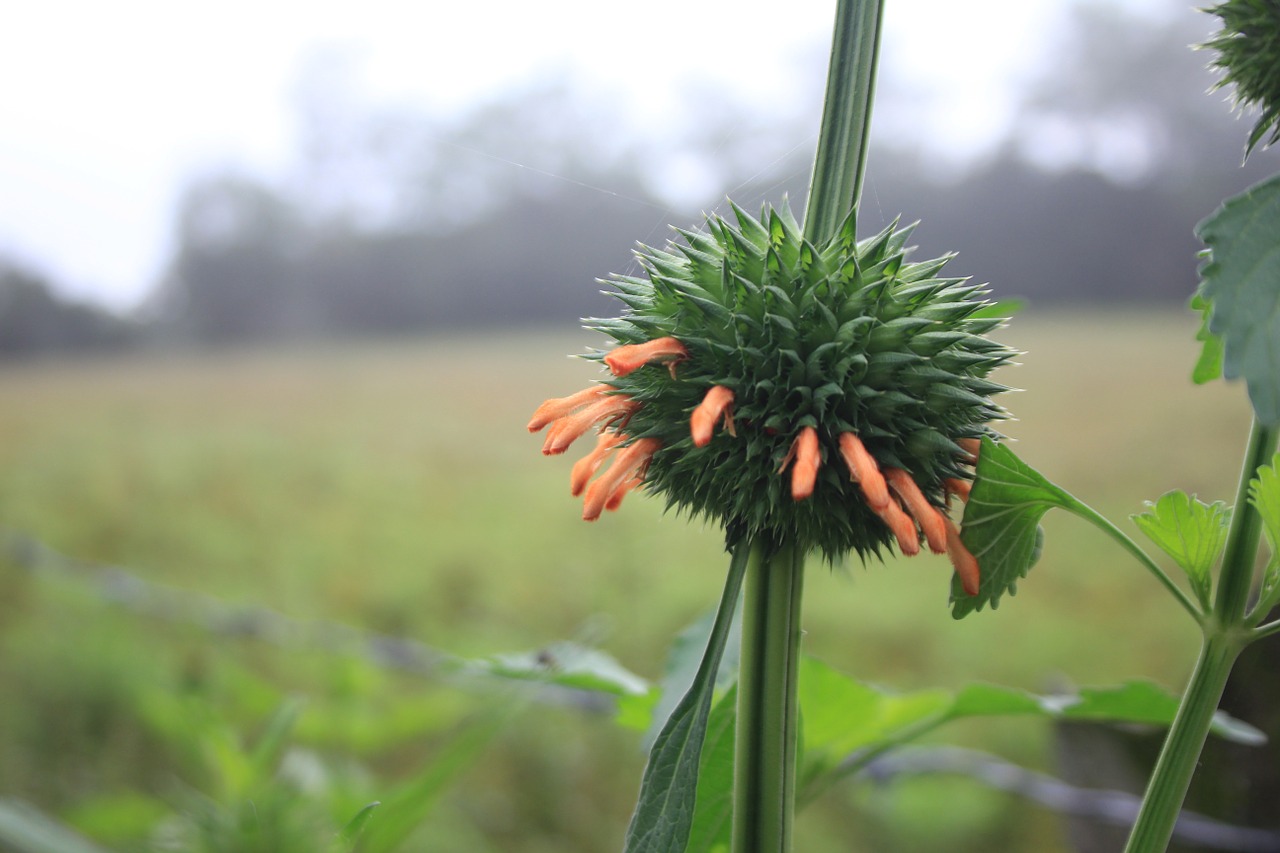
pixel 1248 47
pixel 843 337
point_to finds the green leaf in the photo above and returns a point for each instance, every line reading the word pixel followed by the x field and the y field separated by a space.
pixel 682 664
pixel 1001 525
pixel 713 812
pixel 1264 494
pixel 566 665
pixel 848 723
pixel 1190 531
pixel 1209 365
pixel 350 834
pixel 1241 279
pixel 664 814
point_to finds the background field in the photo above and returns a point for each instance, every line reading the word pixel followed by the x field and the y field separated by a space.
pixel 393 487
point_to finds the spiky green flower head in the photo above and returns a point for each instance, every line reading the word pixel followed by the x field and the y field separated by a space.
pixel 1248 47
pixel 745 351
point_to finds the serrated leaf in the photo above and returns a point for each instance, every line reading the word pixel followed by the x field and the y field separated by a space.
pixel 1001 526
pixel 1209 364
pixel 668 790
pixel 1241 279
pixel 1264 494
pixel 1190 531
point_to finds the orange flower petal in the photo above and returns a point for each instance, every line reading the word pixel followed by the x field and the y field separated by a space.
pixel 615 499
pixel 559 407
pixel 630 357
pixel 804 474
pixel 864 471
pixel 965 564
pixel 970 446
pixel 629 462
pixel 717 402
pixel 928 517
pixel 585 467
pixel 902 526
pixel 568 429
pixel 959 488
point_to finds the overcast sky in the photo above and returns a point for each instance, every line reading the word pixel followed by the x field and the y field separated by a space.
pixel 105 108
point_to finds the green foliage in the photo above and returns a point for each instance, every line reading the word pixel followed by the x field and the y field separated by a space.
pixel 1248 47
pixel 1190 531
pixel 1240 287
pixel 1209 364
pixel 1264 494
pixel 665 811
pixel 842 336
pixel 1002 525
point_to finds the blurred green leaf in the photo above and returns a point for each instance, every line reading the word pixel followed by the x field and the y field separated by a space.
pixel 664 814
pixel 682 664
pixel 26 829
pixel 265 757
pixel 1264 494
pixel 408 807
pixel 1190 531
pixel 1241 279
pixel 849 722
pixel 566 665
pixel 350 834
pixel 1001 525
pixel 1209 365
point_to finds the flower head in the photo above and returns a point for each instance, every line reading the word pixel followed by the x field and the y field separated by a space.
pixel 1248 47
pixel 825 395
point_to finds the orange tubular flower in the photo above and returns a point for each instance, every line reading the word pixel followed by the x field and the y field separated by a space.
pixel 625 359
pixel 959 488
pixel 717 402
pixel 569 428
pixel 586 467
pixel 904 529
pixel 965 564
pixel 609 487
pixel 804 474
pixel 864 471
pixel 559 407
pixel 925 514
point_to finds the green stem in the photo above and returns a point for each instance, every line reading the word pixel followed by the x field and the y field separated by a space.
pixel 1181 752
pixel 768 720
pixel 1226 632
pixel 1236 580
pixel 1089 514
pixel 836 184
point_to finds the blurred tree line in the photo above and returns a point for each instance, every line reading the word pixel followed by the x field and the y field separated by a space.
pixel 395 221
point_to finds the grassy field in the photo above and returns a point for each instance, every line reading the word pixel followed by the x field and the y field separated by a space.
pixel 393 487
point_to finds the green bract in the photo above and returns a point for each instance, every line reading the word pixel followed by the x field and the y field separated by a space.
pixel 1248 48
pixel 843 337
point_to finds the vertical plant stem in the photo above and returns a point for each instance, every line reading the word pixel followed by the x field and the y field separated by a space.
pixel 1226 633
pixel 836 184
pixel 768 719
pixel 1236 580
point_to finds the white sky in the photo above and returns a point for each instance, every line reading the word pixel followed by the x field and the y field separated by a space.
pixel 105 108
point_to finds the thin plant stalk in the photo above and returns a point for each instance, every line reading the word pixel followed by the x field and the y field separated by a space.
pixel 1226 632
pixel 836 184
pixel 768 714
pixel 767 733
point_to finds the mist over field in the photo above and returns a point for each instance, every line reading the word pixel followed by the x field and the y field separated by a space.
pixel 395 221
